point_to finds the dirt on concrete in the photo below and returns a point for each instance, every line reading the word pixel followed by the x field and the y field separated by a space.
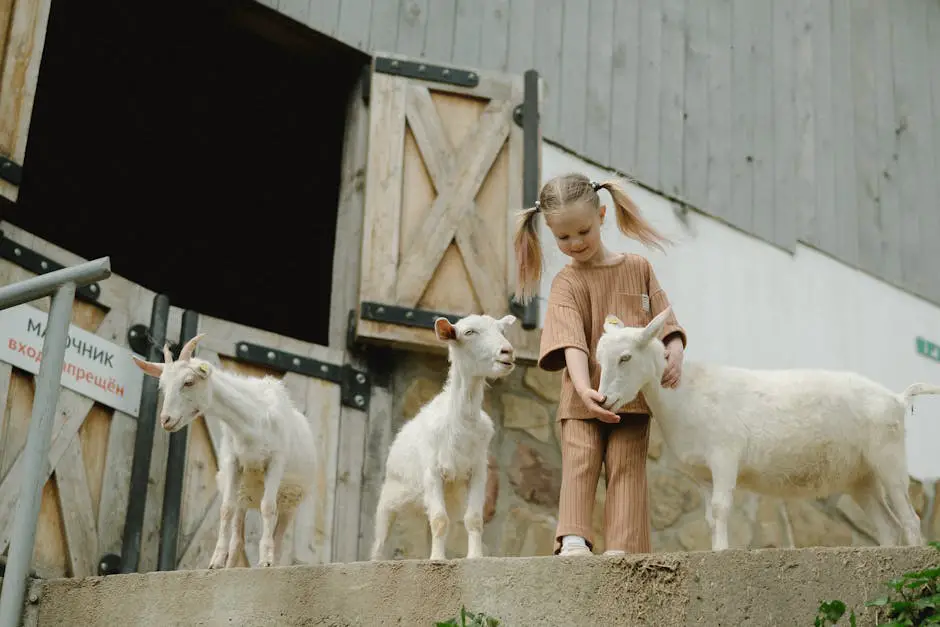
pixel 737 587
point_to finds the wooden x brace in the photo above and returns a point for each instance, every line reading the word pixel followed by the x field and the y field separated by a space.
pixel 457 176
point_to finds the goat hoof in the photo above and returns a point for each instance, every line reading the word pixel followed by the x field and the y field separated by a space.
pixel 266 561
pixel 233 560
pixel 218 560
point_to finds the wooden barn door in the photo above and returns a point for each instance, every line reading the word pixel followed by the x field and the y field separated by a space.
pixel 320 386
pixel 22 37
pixel 444 179
pixel 84 500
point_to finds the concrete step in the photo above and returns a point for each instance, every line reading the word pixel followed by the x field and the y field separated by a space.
pixel 769 587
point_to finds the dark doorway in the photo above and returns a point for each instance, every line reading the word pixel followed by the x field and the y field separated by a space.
pixel 198 144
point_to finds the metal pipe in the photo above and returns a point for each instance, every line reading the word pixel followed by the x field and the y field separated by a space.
pixel 175 467
pixel 36 452
pixel 143 441
pixel 531 169
pixel 46 284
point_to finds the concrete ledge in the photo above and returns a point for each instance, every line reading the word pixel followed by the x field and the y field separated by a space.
pixel 735 587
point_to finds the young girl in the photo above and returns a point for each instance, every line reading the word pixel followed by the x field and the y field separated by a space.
pixel 595 283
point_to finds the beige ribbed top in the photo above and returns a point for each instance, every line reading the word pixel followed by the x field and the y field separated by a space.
pixel 580 299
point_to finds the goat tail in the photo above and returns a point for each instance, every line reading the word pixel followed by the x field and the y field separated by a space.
pixel 916 389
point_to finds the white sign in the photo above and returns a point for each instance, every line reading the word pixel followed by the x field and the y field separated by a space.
pixel 93 366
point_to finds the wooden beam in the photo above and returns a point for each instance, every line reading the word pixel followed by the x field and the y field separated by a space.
pixel 116 483
pixel 382 222
pixel 345 295
pixel 378 440
pixel 78 512
pixel 482 263
pixel 198 552
pixel 428 130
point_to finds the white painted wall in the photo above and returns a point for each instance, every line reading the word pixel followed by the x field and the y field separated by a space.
pixel 746 303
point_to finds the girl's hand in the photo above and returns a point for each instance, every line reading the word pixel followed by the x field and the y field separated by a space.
pixel 674 355
pixel 592 400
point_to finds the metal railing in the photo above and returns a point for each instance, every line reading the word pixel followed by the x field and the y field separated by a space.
pixel 61 285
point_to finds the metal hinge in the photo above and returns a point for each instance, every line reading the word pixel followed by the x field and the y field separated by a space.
pixel 420 318
pixel 409 317
pixel 109 564
pixel 516 308
pixel 378 360
pixel 354 384
pixel 10 171
pixel 518 115
pixel 40 264
pixel 427 71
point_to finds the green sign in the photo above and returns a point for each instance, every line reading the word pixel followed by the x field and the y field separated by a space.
pixel 928 349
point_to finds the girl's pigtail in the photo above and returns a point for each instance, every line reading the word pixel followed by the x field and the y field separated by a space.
pixel 629 219
pixel 528 255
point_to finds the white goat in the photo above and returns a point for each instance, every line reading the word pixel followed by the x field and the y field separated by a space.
pixel 799 433
pixel 439 458
pixel 266 460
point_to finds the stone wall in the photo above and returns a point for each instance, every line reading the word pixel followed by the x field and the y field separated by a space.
pixel 525 477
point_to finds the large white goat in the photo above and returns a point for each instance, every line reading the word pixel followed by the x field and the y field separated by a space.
pixel 437 463
pixel 799 433
pixel 266 457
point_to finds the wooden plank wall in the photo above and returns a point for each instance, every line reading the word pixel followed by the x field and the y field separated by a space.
pixel 84 500
pixel 816 120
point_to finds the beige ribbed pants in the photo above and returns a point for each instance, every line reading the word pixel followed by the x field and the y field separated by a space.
pixel 622 448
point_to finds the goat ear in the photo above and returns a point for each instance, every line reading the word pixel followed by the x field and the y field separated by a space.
pixel 444 329
pixel 203 370
pixel 655 327
pixel 154 370
pixel 612 323
pixel 507 321
pixel 187 351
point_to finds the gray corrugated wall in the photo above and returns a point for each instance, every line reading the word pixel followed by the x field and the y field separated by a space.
pixel 816 120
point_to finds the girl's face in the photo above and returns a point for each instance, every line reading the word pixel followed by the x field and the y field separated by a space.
pixel 577 231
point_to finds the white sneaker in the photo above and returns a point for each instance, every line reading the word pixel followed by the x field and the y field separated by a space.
pixel 576 550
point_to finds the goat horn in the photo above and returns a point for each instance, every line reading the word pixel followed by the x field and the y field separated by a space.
pixel 167 354
pixel 187 350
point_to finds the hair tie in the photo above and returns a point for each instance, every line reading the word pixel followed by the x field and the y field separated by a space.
pixel 538 206
pixel 595 185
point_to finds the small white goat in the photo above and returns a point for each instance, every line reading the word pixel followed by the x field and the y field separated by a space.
pixel 266 457
pixel 799 433
pixel 439 458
